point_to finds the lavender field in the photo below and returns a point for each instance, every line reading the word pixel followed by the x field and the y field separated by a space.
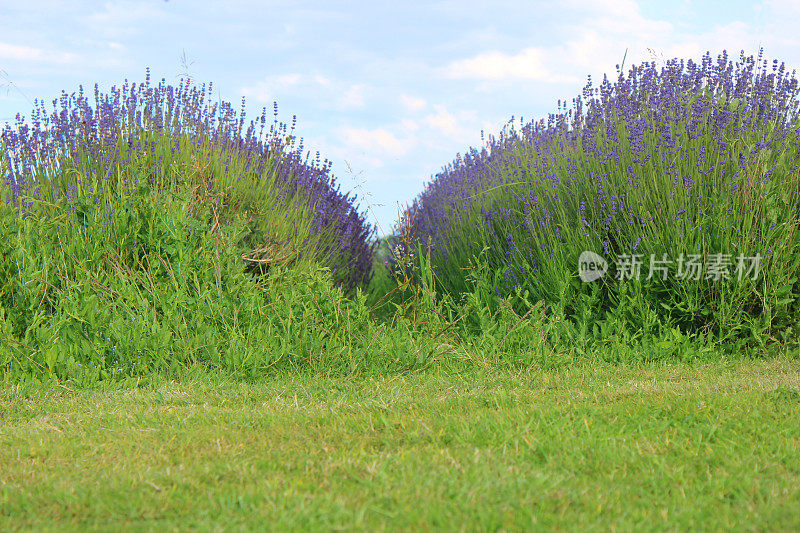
pixel 590 321
pixel 154 230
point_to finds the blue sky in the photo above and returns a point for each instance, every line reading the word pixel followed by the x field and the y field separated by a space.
pixel 388 91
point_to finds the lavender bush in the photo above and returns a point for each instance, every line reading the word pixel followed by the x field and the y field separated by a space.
pixel 692 159
pixel 130 227
pixel 178 138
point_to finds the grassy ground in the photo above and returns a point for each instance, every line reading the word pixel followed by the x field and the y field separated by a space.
pixel 668 446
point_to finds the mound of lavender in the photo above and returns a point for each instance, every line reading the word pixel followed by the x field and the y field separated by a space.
pixel 142 134
pixel 690 161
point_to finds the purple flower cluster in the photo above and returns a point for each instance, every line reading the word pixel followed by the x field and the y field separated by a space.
pixel 657 148
pixel 98 141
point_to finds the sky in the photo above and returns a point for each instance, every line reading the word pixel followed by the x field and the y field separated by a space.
pixel 389 92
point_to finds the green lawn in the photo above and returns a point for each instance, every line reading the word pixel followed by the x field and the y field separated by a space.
pixel 673 446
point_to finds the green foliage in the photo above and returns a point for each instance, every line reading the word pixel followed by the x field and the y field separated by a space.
pixel 93 293
pixel 107 288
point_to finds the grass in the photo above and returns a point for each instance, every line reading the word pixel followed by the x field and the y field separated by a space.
pixel 654 446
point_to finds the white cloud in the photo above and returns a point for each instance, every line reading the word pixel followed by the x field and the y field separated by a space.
pixel 322 80
pixel 462 126
pixel 287 80
pixel 497 65
pixel 320 89
pixel 443 121
pixel 353 97
pixel 610 27
pixel 411 103
pixel 600 37
pixel 409 125
pixel 379 140
pixel 784 7
pixel 27 53
pixel 267 90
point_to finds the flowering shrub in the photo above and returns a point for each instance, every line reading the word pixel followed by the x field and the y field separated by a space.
pixel 177 138
pixel 694 159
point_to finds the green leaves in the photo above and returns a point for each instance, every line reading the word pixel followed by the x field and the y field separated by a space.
pixel 147 288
